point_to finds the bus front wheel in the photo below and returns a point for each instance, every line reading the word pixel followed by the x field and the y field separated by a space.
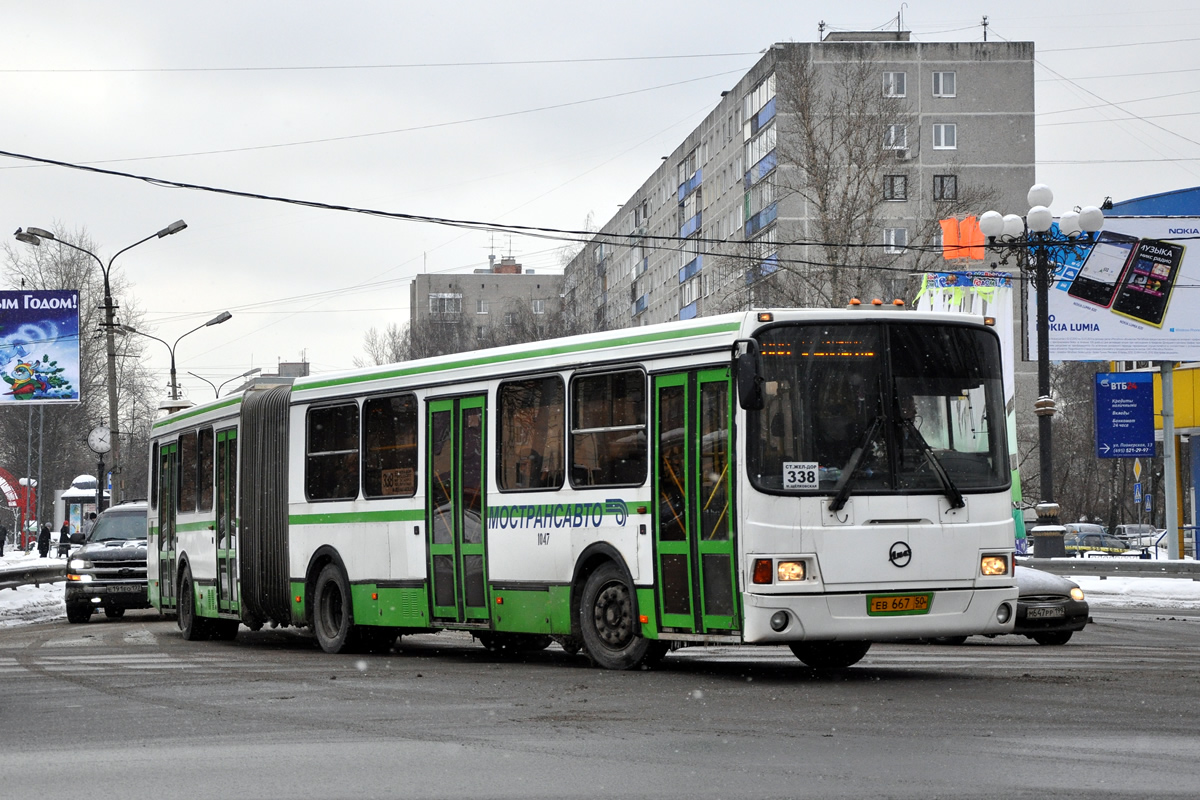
pixel 830 655
pixel 333 619
pixel 192 627
pixel 607 623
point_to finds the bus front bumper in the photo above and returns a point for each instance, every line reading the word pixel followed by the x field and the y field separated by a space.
pixel 849 616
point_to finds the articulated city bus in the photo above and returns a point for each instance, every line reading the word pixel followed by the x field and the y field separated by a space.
pixel 821 479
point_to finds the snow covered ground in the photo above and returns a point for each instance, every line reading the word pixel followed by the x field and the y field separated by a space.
pixel 26 605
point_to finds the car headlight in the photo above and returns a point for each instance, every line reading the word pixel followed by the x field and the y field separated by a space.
pixel 76 564
pixel 1076 593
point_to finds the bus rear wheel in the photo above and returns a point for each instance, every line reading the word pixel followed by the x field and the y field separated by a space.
pixel 830 655
pixel 333 617
pixel 607 623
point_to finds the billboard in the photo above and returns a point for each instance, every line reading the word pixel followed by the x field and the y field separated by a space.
pixel 39 346
pixel 1132 295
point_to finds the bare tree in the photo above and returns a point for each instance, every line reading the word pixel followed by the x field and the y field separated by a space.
pixel 841 157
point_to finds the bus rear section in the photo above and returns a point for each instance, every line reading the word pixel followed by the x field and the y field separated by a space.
pixel 875 495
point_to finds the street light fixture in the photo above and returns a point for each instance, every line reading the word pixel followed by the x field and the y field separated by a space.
pixel 1012 233
pixel 217 389
pixel 224 316
pixel 34 236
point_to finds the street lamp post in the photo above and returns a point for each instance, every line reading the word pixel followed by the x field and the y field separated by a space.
pixel 1032 234
pixel 224 316
pixel 217 389
pixel 33 236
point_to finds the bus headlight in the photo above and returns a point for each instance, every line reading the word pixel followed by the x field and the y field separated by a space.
pixel 994 565
pixel 790 570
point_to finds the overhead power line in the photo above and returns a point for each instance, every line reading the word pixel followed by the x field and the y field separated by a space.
pixel 409 65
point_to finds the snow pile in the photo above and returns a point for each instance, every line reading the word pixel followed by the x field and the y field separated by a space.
pixel 1140 592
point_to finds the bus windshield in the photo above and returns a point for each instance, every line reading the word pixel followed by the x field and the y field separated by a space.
pixel 868 408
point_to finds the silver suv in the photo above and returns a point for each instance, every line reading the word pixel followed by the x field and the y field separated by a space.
pixel 109 570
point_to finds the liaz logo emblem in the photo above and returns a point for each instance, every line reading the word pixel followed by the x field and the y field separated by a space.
pixel 900 554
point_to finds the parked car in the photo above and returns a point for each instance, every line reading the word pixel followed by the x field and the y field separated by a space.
pixel 1140 535
pixel 1084 537
pixel 1049 608
pixel 109 570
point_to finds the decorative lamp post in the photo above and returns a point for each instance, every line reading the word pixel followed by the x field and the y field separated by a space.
pixel 174 404
pixel 217 389
pixel 1011 233
pixel 34 236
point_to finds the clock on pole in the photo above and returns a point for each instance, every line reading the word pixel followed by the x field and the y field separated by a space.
pixel 100 439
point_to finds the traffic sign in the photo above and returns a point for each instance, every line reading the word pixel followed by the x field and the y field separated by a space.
pixel 1124 415
pixel 1137 493
pixel 1137 469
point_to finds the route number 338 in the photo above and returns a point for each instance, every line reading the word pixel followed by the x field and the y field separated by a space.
pixel 800 474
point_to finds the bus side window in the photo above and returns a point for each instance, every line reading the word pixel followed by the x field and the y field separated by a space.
pixel 531 434
pixel 331 464
pixel 187 472
pixel 390 446
pixel 608 429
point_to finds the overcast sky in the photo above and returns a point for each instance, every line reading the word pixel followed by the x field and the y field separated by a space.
pixel 527 113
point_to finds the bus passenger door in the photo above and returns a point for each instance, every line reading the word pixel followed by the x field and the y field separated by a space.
pixel 455 509
pixel 695 567
pixel 227 520
pixel 168 471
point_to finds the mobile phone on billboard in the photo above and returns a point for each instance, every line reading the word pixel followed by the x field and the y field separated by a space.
pixel 1149 280
pixel 1103 269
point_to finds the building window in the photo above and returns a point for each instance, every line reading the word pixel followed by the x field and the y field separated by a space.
pixel 531 434
pixel 945 187
pixel 539 306
pixel 943 84
pixel 481 306
pixel 608 429
pixel 945 136
pixel 895 187
pixel 390 450
pixel 331 461
pixel 895 239
pixel 893 84
pixel 896 138
pixel 445 303
pixel 510 318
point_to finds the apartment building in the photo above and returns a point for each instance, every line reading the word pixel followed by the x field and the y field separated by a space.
pixel 799 156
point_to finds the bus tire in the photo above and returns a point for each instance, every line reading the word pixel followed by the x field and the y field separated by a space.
pixel 193 628
pixel 333 615
pixel 830 655
pixel 607 623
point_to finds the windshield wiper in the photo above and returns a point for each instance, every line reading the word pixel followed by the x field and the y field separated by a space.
pixel 844 483
pixel 952 493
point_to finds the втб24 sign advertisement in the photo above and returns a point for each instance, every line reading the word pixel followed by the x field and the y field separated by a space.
pixel 1132 295
pixel 39 346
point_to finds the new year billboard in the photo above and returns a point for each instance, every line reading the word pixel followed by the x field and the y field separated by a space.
pixel 1131 295
pixel 39 346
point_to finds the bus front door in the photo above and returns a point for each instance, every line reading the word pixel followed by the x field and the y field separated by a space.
pixel 695 567
pixel 168 472
pixel 455 510
pixel 227 520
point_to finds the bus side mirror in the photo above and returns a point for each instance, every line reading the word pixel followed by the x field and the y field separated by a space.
pixel 748 367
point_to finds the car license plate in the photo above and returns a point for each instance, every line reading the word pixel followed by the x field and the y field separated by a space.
pixel 886 605
pixel 1044 613
pixel 128 589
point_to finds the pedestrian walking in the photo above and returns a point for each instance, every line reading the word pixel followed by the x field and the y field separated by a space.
pixel 64 539
pixel 44 541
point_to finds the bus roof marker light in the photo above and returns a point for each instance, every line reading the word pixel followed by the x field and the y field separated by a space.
pixel 898 303
pixel 989 321
pixel 877 302
pixel 854 301
pixel 766 316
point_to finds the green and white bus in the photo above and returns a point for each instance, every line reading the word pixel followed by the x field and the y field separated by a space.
pixel 821 479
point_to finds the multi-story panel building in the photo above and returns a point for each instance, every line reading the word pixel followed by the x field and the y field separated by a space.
pixel 488 300
pixel 820 175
